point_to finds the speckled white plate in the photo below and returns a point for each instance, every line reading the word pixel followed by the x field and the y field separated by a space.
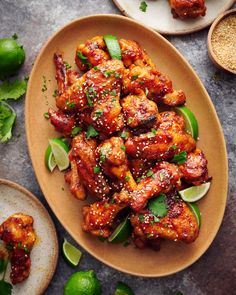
pixel 14 199
pixel 159 17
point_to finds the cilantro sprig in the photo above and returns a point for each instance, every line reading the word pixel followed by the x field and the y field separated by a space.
pixel 180 158
pixel 8 91
pixel 5 287
pixel 158 206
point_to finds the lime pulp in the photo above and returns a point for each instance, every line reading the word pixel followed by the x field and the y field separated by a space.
pixel 71 253
pixel 60 152
pixel 195 193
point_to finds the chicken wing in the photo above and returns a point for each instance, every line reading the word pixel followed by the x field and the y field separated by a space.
pixel 185 9
pixel 180 224
pixel 194 170
pixel 139 111
pixel 18 234
pixel 62 122
pixel 83 151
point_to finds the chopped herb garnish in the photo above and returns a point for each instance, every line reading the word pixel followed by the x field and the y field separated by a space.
pixel 107 74
pixel 141 217
pixel 180 158
pixel 123 147
pixel 62 188
pixel 44 87
pixel 143 6
pixel 124 135
pixel 162 176
pixel 68 66
pixel 83 58
pixel 102 239
pixel 46 115
pixel 150 235
pixel 130 120
pixel 127 178
pixel 152 133
pixel 138 180
pixel 117 76
pixel 158 206
pixel 55 93
pixel 90 94
pixel 96 169
pixel 146 91
pixel 103 152
pixel 91 132
pixel 173 147
pixel 149 173
pixel 135 77
pixel 96 68
pixel 14 36
pixel 113 93
pixel 98 113
pixel 76 130
pixel 70 104
pixel 156 219
pixel 106 205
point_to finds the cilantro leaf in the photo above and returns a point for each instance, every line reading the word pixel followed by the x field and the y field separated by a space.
pixel 7 120
pixel 12 90
pixel 143 6
pixel 5 288
pixel 158 206
pixel 180 158
pixel 91 132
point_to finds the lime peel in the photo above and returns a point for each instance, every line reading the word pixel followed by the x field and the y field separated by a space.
pixel 122 232
pixel 196 212
pixel 50 159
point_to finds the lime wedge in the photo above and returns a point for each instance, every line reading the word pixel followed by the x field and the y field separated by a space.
pixel 60 152
pixel 196 212
pixel 191 125
pixel 122 232
pixel 195 193
pixel 113 46
pixel 71 253
pixel 49 159
pixel 123 289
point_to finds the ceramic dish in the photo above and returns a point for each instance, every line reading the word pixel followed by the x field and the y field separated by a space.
pixel 16 199
pixel 211 52
pixel 159 17
pixel 173 257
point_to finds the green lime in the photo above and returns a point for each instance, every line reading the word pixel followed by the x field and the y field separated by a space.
pixel 190 120
pixel 49 159
pixel 83 283
pixel 71 253
pixel 122 232
pixel 195 193
pixel 196 212
pixel 12 57
pixel 113 46
pixel 123 289
pixel 60 152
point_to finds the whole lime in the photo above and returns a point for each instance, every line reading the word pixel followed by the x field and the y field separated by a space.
pixel 83 283
pixel 12 57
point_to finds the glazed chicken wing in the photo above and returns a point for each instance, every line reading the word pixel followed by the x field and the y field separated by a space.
pixel 139 111
pixel 180 224
pixel 188 8
pixel 83 151
pixel 18 234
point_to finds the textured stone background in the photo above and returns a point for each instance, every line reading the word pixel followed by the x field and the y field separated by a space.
pixel 215 272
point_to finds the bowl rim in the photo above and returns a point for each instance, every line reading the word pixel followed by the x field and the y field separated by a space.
pixel 183 32
pixel 211 53
pixel 180 56
pixel 30 195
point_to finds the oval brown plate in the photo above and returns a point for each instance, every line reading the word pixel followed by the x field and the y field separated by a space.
pixel 173 257
pixel 16 199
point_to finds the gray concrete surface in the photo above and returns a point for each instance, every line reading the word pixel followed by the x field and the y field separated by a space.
pixel 215 272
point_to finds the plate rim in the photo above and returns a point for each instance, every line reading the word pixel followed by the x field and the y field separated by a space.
pixel 182 32
pixel 30 195
pixel 180 56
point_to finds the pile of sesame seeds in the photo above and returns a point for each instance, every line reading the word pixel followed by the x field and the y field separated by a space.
pixel 223 42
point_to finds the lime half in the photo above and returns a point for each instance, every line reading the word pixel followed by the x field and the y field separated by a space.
pixel 123 289
pixel 50 159
pixel 71 253
pixel 122 232
pixel 191 125
pixel 196 212
pixel 60 152
pixel 195 193
pixel 113 46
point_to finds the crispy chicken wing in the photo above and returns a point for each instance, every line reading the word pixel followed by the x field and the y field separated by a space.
pixel 194 170
pixel 139 111
pixel 83 151
pixel 188 8
pixel 62 122
pixel 159 145
pixel 179 225
pixel 18 234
